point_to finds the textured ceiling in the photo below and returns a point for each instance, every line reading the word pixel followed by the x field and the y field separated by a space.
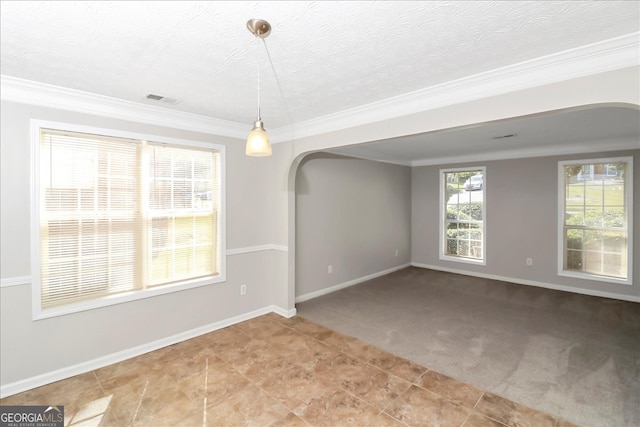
pixel 560 132
pixel 327 56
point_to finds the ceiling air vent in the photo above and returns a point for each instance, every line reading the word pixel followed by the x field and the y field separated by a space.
pixel 161 98
pixel 511 135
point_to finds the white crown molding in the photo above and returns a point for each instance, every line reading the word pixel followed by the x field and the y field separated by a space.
pixel 45 95
pixel 523 153
pixel 617 53
pixel 519 153
pixel 613 54
pixel 364 154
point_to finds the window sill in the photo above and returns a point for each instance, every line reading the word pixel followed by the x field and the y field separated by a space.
pixel 39 314
pixel 463 260
pixel 595 277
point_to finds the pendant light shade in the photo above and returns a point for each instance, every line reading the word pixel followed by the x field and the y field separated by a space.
pixel 258 143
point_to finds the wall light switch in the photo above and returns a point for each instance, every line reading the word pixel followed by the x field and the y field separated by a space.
pixel 330 269
pixel 243 289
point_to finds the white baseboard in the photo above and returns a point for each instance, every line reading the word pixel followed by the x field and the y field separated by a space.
pixel 531 283
pixel 81 368
pixel 340 286
pixel 284 313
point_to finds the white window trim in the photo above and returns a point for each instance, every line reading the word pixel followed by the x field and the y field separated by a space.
pixel 37 311
pixel 629 219
pixel 441 226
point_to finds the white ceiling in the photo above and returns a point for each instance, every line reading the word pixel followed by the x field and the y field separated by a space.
pixel 571 131
pixel 327 56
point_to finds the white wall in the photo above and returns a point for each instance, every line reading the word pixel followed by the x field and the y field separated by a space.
pixel 47 350
pixel 620 87
pixel 351 214
pixel 521 222
pixel 32 350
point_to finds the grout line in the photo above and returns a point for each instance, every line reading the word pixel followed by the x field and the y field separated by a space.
pixel 466 419
pixel 104 393
pixel 479 399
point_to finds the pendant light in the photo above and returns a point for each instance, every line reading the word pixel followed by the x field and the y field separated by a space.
pixel 258 141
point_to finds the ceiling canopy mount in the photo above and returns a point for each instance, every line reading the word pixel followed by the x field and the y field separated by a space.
pixel 259 28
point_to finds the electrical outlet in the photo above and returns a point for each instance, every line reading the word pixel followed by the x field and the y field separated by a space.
pixel 243 289
pixel 529 261
pixel 330 269
pixel 397 252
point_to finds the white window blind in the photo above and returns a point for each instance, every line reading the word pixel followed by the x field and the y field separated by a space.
pixel 122 215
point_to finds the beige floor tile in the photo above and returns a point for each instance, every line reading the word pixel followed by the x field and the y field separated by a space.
pixel 374 386
pixel 274 366
pixel 64 389
pixel 295 386
pixel 169 413
pixel 394 364
pixel 146 404
pixel 291 420
pixel 80 406
pixel 478 420
pixel 339 409
pixel 314 330
pixel 457 391
pixel 272 371
pixel 337 368
pixel 14 400
pixel 260 328
pixel 224 339
pixel 218 381
pixel 147 365
pixel 386 420
pixel 512 413
pixel 375 356
pixel 252 355
pixel 248 407
pixel 419 407
pixel 93 419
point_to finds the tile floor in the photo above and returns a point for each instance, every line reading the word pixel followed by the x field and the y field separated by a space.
pixel 273 371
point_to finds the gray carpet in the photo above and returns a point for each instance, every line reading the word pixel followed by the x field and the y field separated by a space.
pixel 570 355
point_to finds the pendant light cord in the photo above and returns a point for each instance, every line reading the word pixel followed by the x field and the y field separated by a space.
pixel 258 62
pixel 275 75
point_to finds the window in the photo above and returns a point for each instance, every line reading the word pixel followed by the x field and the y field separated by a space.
pixel 595 219
pixel 462 212
pixel 121 217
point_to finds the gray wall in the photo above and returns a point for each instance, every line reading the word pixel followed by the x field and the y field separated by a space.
pixel 521 222
pixel 34 348
pixel 352 214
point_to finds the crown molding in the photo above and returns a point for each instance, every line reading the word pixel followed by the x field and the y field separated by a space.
pixel 364 154
pixel 617 53
pixel 598 146
pixel 519 153
pixel 613 54
pixel 45 95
